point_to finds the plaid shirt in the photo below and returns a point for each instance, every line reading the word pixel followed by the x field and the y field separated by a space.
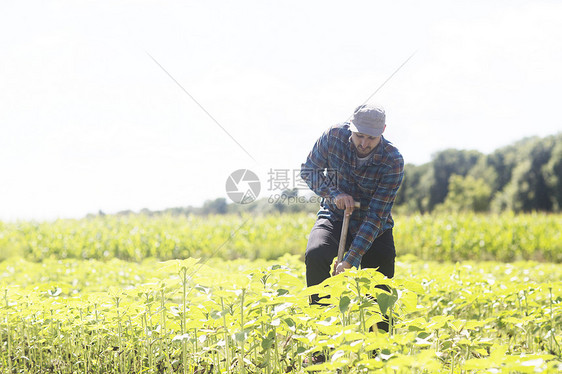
pixel 331 168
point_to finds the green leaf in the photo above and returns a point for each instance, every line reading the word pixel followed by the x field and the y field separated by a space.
pixel 385 300
pixel 371 321
pixel 371 363
pixel 344 304
pixel 289 322
pixel 317 289
pixel 241 335
pixel 409 301
pixel 267 342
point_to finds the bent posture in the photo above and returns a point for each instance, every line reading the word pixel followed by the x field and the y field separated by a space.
pixel 352 162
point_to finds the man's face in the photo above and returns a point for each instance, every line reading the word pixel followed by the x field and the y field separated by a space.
pixel 364 144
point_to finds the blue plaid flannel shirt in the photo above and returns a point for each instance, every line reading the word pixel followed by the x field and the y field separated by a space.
pixel 331 168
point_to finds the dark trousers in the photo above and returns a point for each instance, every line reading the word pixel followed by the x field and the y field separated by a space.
pixel 323 245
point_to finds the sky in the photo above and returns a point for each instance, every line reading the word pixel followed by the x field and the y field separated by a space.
pixel 124 105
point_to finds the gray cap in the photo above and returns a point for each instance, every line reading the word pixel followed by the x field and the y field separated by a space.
pixel 368 119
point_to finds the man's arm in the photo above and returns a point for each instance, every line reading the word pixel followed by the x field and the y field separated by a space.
pixel 379 210
pixel 313 171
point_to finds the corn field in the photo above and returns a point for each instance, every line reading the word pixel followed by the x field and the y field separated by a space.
pixel 505 237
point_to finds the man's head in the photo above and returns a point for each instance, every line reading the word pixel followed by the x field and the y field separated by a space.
pixel 368 119
pixel 367 125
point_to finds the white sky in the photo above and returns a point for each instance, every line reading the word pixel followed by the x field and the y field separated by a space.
pixel 88 120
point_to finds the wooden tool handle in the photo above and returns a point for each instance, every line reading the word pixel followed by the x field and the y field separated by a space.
pixel 343 235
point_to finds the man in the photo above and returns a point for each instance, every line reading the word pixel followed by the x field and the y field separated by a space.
pixel 353 162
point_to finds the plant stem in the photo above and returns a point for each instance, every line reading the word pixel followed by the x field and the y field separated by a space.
pixel 361 313
pixel 391 320
pixel 226 345
pixel 552 321
pixel 8 331
pixel 276 360
pixel 242 367
pixel 162 320
pixel 119 333
pixel 183 272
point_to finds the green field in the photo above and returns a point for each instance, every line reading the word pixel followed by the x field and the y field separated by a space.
pixel 239 316
pixel 445 237
pixel 98 296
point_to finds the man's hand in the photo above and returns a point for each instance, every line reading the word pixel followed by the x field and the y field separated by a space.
pixel 341 267
pixel 345 201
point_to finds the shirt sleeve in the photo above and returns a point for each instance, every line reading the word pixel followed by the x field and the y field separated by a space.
pixel 378 213
pixel 316 172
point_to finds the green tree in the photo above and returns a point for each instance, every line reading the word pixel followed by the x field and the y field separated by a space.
pixel 528 189
pixel 445 164
pixel 552 172
pixel 413 195
pixel 467 194
pixel 217 206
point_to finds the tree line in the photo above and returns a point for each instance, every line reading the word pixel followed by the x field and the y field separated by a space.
pixel 525 176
